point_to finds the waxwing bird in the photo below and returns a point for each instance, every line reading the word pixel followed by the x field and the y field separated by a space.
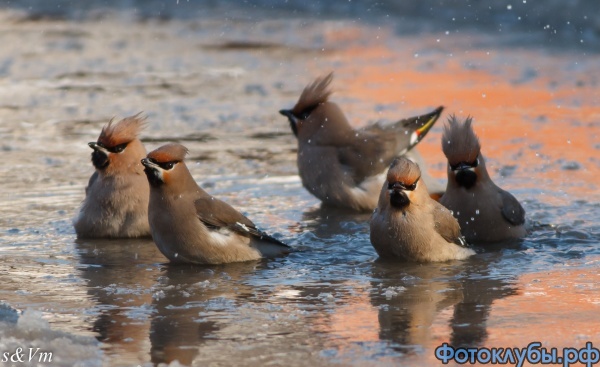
pixel 486 213
pixel 116 198
pixel 341 166
pixel 409 225
pixel 190 226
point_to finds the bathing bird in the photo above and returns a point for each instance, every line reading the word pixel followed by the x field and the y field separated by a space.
pixel 341 166
pixel 409 225
pixel 486 213
pixel 190 226
pixel 116 197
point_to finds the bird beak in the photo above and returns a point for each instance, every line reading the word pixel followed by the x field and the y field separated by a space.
pixel 98 148
pixel 293 120
pixel 288 114
pixel 155 174
pixel 148 164
pixel 397 186
pixel 463 166
pixel 428 121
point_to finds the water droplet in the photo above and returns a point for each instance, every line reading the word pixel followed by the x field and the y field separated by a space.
pixel 477 211
pixel 472 218
pixel 509 7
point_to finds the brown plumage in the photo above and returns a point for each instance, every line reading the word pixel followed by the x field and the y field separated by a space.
pixel 315 93
pixel 116 202
pixel 124 131
pixel 169 153
pixel 342 166
pixel 189 225
pixel 404 171
pixel 409 225
pixel 486 213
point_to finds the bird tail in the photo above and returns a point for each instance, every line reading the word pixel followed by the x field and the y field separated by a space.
pixel 270 246
pixel 421 124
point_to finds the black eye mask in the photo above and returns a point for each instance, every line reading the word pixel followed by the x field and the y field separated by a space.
pixel 401 186
pixel 306 112
pixel 164 165
pixel 463 165
pixel 116 149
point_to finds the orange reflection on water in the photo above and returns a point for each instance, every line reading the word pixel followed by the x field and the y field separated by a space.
pixel 560 309
pixel 353 321
pixel 530 110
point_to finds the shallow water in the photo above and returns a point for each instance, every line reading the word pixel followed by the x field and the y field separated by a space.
pixel 216 86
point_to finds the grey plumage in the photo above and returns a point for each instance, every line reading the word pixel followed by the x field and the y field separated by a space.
pixel 342 166
pixel 116 202
pixel 486 213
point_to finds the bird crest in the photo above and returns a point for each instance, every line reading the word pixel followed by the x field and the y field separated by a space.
pixel 173 152
pixel 123 131
pixel 404 170
pixel 313 94
pixel 459 142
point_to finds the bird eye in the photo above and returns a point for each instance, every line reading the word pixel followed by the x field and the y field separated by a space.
pixel 119 148
pixel 167 165
pixel 411 187
pixel 306 112
pixel 116 149
pixel 464 165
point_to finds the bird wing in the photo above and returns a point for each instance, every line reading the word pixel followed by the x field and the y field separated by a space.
pixel 446 225
pixel 512 210
pixel 217 214
pixel 368 155
pixel 372 149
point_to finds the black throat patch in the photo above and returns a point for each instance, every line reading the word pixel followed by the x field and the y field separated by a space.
pixel 399 199
pixel 153 177
pixel 466 178
pixel 100 159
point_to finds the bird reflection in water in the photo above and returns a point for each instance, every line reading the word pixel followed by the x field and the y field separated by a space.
pixel 185 299
pixel 424 291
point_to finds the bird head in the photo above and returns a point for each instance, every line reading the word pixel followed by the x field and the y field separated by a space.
pixel 162 165
pixel 463 151
pixel 118 146
pixel 313 113
pixel 402 182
